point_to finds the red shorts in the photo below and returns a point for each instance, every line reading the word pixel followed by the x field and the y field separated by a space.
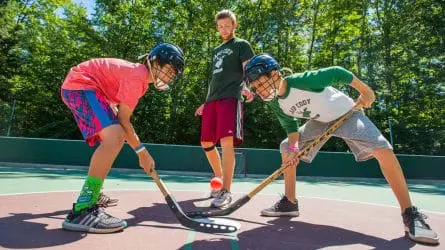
pixel 222 118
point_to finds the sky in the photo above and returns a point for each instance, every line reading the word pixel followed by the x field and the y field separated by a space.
pixel 88 5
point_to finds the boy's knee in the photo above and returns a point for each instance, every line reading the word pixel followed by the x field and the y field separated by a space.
pixel 284 145
pixel 227 143
pixel 115 137
pixel 382 152
pixel 208 146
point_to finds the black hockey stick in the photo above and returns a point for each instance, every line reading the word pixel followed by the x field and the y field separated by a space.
pixel 206 225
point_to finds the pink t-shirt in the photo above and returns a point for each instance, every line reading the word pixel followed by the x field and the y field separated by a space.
pixel 118 80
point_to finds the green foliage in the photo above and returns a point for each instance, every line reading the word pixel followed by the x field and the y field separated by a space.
pixel 395 46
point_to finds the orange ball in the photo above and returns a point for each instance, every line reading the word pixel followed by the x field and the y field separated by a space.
pixel 216 183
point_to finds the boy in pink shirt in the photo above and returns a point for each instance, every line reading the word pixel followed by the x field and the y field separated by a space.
pixel 102 94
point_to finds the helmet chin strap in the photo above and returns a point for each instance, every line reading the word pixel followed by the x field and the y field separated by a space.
pixel 158 83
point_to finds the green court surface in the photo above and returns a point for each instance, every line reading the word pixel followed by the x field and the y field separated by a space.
pixel 19 179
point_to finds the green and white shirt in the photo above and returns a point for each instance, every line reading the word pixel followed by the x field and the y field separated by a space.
pixel 309 95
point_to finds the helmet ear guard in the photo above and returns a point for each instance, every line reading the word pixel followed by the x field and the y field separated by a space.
pixel 259 65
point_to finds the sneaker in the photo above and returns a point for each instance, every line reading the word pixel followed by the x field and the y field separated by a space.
pixel 214 193
pixel 223 199
pixel 106 201
pixel 93 220
pixel 416 227
pixel 282 207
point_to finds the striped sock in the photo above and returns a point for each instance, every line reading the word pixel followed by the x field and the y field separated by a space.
pixel 89 194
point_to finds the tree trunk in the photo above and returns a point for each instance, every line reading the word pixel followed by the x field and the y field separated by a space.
pixel 314 30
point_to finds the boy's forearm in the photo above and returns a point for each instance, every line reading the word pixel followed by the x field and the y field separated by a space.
pixel 367 96
pixel 130 134
pixel 123 115
pixel 361 87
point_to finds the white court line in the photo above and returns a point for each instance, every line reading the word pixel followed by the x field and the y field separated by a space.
pixel 251 177
pixel 191 190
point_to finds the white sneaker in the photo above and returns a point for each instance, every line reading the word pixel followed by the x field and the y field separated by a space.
pixel 223 199
pixel 214 193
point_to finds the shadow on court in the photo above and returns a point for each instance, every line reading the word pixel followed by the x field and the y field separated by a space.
pixel 283 233
pixel 34 221
pixel 17 231
pixel 24 231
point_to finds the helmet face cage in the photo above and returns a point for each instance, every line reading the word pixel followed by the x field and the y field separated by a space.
pixel 265 87
pixel 162 75
pixel 258 72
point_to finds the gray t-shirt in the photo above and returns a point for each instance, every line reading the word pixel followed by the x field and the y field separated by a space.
pixel 227 69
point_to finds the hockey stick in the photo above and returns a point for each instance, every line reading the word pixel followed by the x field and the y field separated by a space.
pixel 206 225
pixel 243 200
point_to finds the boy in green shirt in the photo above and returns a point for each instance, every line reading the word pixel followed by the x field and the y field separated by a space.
pixel 309 95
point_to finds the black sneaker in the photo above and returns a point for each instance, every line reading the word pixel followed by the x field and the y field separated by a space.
pixel 282 207
pixel 93 220
pixel 106 201
pixel 416 227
